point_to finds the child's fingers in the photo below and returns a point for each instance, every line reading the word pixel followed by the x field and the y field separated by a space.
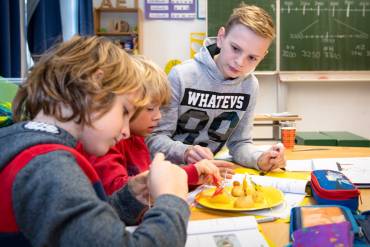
pixel 158 157
pixel 276 163
pixel 273 154
pixel 276 156
pixel 225 168
pixel 203 152
pixel 226 173
pixel 278 160
pixel 196 156
pixel 191 160
pixel 281 161
pixel 143 177
pixel 222 163
pixel 208 153
pixel 193 156
pixel 210 169
pixel 217 175
pixel 206 167
pixel 197 153
pixel 230 171
pixel 280 147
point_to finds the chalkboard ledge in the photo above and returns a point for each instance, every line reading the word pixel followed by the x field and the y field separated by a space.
pixel 263 72
pixel 335 76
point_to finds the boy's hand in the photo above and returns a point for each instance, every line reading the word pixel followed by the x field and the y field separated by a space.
pixel 225 168
pixel 138 186
pixel 197 153
pixel 216 168
pixel 272 159
pixel 206 168
pixel 167 178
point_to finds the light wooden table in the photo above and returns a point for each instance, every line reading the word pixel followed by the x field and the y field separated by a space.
pixel 274 122
pixel 278 232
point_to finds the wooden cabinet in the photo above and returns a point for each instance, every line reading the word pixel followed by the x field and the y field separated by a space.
pixel 122 25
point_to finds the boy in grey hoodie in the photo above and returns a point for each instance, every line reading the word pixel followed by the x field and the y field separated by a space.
pixel 214 97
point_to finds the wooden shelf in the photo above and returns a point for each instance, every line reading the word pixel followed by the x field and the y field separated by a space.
pixel 107 18
pixel 262 117
pixel 117 33
pixel 274 122
pixel 118 10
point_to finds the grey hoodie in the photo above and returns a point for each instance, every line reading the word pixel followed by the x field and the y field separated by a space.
pixel 207 110
pixel 55 204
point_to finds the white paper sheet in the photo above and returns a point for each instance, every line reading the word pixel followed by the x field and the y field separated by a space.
pixel 356 169
pixel 299 165
pixel 224 154
pixel 232 231
pixel 238 231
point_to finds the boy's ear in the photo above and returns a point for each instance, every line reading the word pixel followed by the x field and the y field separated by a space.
pixel 220 36
pixel 98 75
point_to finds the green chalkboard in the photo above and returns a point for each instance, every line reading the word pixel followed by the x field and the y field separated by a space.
pixel 315 35
pixel 218 12
pixel 324 35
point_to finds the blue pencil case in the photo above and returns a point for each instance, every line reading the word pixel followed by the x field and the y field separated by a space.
pixel 332 187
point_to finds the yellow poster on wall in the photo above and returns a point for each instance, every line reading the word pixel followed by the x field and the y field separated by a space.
pixel 196 42
pixel 170 64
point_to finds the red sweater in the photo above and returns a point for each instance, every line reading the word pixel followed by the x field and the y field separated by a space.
pixel 126 159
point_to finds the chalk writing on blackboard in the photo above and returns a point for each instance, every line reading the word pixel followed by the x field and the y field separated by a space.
pixel 325 35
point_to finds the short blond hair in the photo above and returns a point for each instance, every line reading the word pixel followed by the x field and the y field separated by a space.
pixel 155 81
pixel 65 76
pixel 253 17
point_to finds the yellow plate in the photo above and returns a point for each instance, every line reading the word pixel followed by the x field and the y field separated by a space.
pixel 273 197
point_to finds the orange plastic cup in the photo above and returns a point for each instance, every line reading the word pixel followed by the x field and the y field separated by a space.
pixel 288 130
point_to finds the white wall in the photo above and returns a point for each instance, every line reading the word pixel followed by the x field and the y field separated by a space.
pixel 329 106
pixel 166 40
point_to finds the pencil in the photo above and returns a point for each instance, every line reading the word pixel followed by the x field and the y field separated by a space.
pixel 267 219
